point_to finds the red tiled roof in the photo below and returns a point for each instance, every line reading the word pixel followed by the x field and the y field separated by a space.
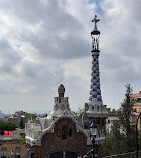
pixel 136 95
pixel 135 113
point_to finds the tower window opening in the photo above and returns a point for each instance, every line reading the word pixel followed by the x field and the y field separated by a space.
pixel 102 122
pixel 97 121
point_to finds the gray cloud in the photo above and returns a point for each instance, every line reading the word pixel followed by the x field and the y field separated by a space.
pixel 7 54
pixel 60 34
pixel 45 43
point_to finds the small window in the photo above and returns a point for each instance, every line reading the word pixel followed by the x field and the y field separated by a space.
pixel 58 133
pixel 64 132
pixel 32 155
pixel 70 132
pixel 135 110
pixel 3 153
pixel 17 152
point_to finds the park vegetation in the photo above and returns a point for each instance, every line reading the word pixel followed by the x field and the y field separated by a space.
pixel 122 138
pixel 7 126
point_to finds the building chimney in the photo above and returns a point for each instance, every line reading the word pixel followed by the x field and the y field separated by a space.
pixel 61 91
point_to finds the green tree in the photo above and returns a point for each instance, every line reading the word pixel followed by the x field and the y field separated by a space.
pixel 80 110
pixel 111 110
pixel 21 123
pixel 7 126
pixel 122 137
pixel 118 138
pixel 125 117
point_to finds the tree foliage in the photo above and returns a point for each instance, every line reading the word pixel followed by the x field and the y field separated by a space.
pixel 122 139
pixel 125 118
pixel 127 109
pixel 112 145
pixel 80 110
pixel 7 126
pixel 24 120
pixel 21 123
pixel 111 110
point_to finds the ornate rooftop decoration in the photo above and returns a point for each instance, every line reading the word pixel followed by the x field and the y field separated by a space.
pixel 61 89
pixel 95 31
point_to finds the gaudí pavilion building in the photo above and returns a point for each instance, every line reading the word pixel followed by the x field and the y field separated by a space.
pixel 62 134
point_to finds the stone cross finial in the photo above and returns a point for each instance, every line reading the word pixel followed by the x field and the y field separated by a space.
pixel 95 20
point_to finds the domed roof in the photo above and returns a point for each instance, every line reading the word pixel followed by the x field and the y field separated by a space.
pixel 61 89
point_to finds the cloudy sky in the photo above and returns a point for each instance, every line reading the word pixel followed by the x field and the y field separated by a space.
pixel 44 43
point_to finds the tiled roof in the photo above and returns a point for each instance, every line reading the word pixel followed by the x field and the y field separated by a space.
pixel 136 95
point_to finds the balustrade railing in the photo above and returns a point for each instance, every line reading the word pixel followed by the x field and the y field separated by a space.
pixel 124 155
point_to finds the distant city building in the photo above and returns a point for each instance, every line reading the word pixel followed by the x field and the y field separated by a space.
pixel 19 114
pixel 137 109
pixel 16 117
pixel 13 146
pixel 135 113
pixel 1 114
pixel 14 120
pixel 137 105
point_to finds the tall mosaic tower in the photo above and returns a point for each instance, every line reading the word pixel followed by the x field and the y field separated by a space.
pixel 95 106
pixel 94 109
pixel 95 93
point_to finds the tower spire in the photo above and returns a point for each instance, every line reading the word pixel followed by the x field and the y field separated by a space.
pixel 95 92
pixel 95 110
pixel 95 31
